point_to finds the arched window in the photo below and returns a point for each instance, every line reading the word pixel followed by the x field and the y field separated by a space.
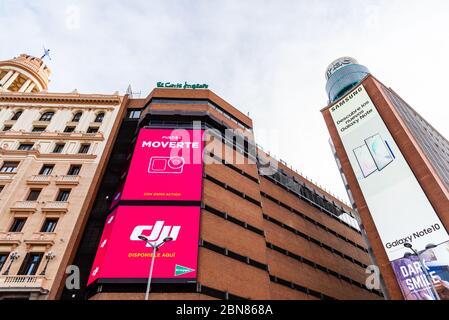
pixel 17 115
pixel 77 116
pixel 99 117
pixel 47 116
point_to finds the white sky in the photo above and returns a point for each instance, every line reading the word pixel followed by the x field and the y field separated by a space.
pixel 267 58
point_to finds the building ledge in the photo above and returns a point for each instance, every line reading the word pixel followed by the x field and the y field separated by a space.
pixel 24 207
pixel 23 284
pixel 11 238
pixel 41 238
pixel 67 180
pixel 39 180
pixel 98 136
pixel 55 207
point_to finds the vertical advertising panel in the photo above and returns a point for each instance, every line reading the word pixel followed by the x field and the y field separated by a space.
pixel 166 165
pixel 123 257
pixel 400 209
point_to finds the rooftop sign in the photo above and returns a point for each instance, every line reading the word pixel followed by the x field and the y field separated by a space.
pixel 184 85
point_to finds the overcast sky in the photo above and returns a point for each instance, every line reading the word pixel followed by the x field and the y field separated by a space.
pixel 267 58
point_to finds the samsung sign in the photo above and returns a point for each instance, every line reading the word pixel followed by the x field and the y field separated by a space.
pixel 400 209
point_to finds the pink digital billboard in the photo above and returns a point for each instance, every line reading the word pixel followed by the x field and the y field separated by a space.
pixel 166 165
pixel 123 257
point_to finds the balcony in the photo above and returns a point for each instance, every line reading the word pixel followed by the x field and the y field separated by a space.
pixel 24 206
pixel 11 238
pixel 6 177
pixel 23 284
pixel 68 180
pixel 39 180
pixel 55 207
pixel 41 238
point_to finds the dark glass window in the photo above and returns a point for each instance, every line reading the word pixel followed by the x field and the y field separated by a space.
pixel 7 128
pixel 92 130
pixel 58 148
pixel 25 146
pixel 9 167
pixel 49 225
pixel 3 258
pixel 30 264
pixel 77 117
pixel 84 148
pixel 47 169
pixel 69 129
pixel 47 116
pixel 134 114
pixel 1 188
pixel 34 194
pixel 17 224
pixel 63 195
pixel 74 170
pixel 39 129
pixel 99 117
pixel 17 115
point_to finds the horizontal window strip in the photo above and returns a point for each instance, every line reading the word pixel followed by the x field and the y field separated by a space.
pixel 315 241
pixel 320 267
pixel 233 190
pixel 309 219
pixel 243 173
pixel 215 293
pixel 236 221
pixel 313 203
pixel 300 288
pixel 233 255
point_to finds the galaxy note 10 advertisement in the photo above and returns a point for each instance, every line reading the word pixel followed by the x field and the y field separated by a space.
pixel 166 165
pixel 122 257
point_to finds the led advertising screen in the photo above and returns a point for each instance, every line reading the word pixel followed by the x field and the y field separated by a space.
pixel 123 257
pixel 399 207
pixel 166 165
pixel 427 279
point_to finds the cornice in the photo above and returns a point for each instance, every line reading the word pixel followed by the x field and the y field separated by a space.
pixel 51 136
pixel 59 98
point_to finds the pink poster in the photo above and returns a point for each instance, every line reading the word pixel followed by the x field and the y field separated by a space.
pixel 122 255
pixel 166 165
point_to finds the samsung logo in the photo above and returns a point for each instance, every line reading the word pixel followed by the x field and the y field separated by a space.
pixel 346 99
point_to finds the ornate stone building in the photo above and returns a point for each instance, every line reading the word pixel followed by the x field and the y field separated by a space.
pixel 52 150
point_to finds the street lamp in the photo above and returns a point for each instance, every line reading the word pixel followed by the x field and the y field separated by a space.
pixel 49 256
pixel 14 256
pixel 407 255
pixel 155 247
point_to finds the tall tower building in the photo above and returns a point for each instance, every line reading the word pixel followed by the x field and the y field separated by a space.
pixel 242 224
pixel 53 147
pixel 395 166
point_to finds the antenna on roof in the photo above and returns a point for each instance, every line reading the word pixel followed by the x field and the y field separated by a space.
pixel 46 54
pixel 131 93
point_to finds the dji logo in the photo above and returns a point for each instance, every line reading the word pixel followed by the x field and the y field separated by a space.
pixel 158 232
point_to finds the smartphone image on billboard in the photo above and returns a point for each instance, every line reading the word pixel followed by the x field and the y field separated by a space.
pixel 365 160
pixel 379 150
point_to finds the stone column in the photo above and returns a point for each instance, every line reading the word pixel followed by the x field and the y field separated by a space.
pixel 11 80
pixel 25 86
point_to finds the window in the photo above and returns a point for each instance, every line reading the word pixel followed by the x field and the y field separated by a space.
pixel 58 148
pixel 92 130
pixel 49 225
pixel 99 117
pixel 69 129
pixel 34 194
pixel 17 115
pixel 17 225
pixel 9 167
pixel 1 188
pixel 47 116
pixel 7 128
pixel 74 170
pixel 46 169
pixel 63 195
pixel 134 114
pixel 39 129
pixel 30 264
pixel 84 148
pixel 77 117
pixel 3 258
pixel 25 146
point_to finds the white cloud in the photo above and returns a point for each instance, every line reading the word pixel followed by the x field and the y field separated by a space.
pixel 264 57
